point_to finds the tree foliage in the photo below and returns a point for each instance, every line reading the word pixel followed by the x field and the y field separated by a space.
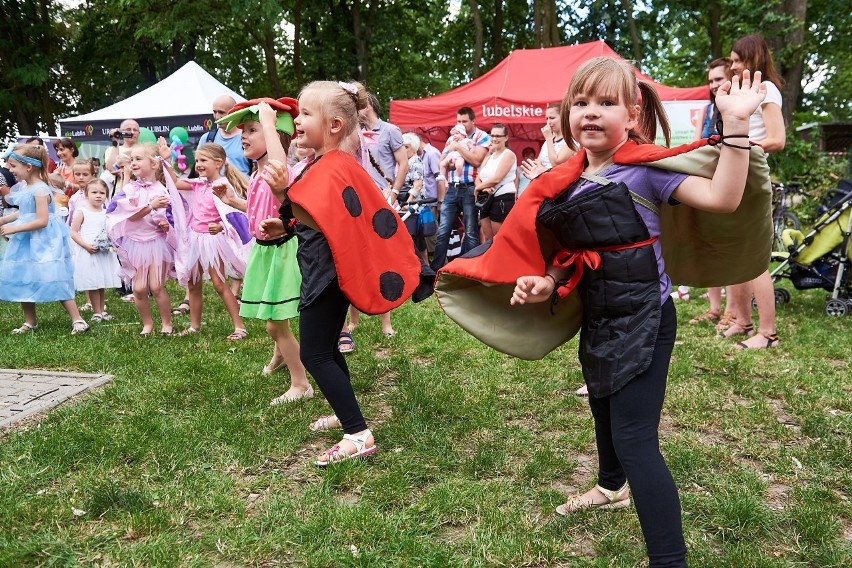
pixel 60 61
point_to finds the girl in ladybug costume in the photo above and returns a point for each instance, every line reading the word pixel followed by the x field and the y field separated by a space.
pixel 353 248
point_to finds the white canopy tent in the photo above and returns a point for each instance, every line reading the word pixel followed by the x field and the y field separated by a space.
pixel 184 98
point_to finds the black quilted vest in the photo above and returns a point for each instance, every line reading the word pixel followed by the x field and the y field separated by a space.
pixel 621 298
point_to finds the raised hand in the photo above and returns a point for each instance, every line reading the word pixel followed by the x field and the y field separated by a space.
pixel 276 175
pixel 532 168
pixel 266 113
pixel 738 99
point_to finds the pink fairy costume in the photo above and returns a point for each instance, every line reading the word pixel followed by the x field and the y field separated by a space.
pixel 141 244
pixel 226 251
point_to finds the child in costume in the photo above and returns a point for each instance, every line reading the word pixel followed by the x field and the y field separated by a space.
pixel 217 243
pixel 141 233
pixel 95 262
pixel 36 265
pixel 352 248
pixel 594 223
pixel 84 171
pixel 272 279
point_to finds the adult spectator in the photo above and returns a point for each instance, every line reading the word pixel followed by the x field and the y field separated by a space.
pixel 718 72
pixel 412 188
pixel 459 198
pixel 129 129
pixel 554 151
pixel 766 127
pixel 230 140
pixel 385 146
pixel 66 151
pixel 434 184
pixel 496 180
pixel 36 141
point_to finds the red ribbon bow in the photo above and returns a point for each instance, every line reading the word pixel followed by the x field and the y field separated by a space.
pixel 580 259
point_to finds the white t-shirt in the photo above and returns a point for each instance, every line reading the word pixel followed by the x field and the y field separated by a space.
pixel 756 125
pixel 488 171
pixel 544 158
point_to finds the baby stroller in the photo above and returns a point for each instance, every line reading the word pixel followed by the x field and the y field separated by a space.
pixel 419 220
pixel 820 259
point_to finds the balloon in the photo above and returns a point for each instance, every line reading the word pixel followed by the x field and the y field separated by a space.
pixel 180 133
pixel 146 136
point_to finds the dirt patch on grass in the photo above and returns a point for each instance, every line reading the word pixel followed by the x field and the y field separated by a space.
pixel 453 534
pixel 777 496
pixel 782 416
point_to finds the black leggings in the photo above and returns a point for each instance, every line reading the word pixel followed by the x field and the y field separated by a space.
pixel 626 432
pixel 319 329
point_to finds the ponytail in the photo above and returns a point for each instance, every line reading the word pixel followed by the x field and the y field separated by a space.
pixel 650 112
pixel 236 179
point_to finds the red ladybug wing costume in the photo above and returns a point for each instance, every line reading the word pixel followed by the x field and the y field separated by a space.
pixel 373 253
pixel 700 249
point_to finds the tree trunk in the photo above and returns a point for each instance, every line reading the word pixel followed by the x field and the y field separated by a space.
pixel 549 21
pixel 362 34
pixel 634 34
pixel 497 31
pixel 478 38
pixel 792 65
pixel 714 31
pixel 270 60
pixel 536 23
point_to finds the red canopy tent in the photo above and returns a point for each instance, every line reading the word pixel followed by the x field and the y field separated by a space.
pixel 515 92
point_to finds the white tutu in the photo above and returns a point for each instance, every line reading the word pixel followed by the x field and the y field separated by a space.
pixel 136 256
pixel 207 251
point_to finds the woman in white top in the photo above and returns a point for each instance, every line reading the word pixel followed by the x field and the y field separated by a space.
pixel 554 151
pixel 494 189
pixel 766 128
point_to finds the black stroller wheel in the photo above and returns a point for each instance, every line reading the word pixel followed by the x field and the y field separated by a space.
pixel 836 308
pixel 782 296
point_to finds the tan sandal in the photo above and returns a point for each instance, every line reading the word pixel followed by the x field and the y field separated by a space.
pixel 737 329
pixel 712 317
pixel 288 397
pixel 725 321
pixel 771 341
pixel 618 499
pixel 238 335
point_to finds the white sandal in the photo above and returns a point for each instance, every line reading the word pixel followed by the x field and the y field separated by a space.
pixel 79 326
pixel 25 327
pixel 323 423
pixel 336 454
pixel 617 499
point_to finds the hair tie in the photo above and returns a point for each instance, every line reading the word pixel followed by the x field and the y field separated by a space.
pixel 349 88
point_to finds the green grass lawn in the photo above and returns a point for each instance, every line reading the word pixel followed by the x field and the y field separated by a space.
pixel 181 462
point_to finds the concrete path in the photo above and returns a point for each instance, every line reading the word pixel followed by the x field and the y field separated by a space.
pixel 26 393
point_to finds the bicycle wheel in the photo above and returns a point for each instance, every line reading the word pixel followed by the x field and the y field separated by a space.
pixel 785 220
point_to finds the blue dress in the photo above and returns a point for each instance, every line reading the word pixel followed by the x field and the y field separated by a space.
pixel 37 265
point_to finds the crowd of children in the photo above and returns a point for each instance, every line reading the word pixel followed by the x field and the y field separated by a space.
pixel 316 238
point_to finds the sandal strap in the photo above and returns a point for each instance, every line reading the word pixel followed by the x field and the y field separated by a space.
pixel 615 495
pixel 358 441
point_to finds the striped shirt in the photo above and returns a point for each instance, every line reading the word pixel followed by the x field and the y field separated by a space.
pixel 480 138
